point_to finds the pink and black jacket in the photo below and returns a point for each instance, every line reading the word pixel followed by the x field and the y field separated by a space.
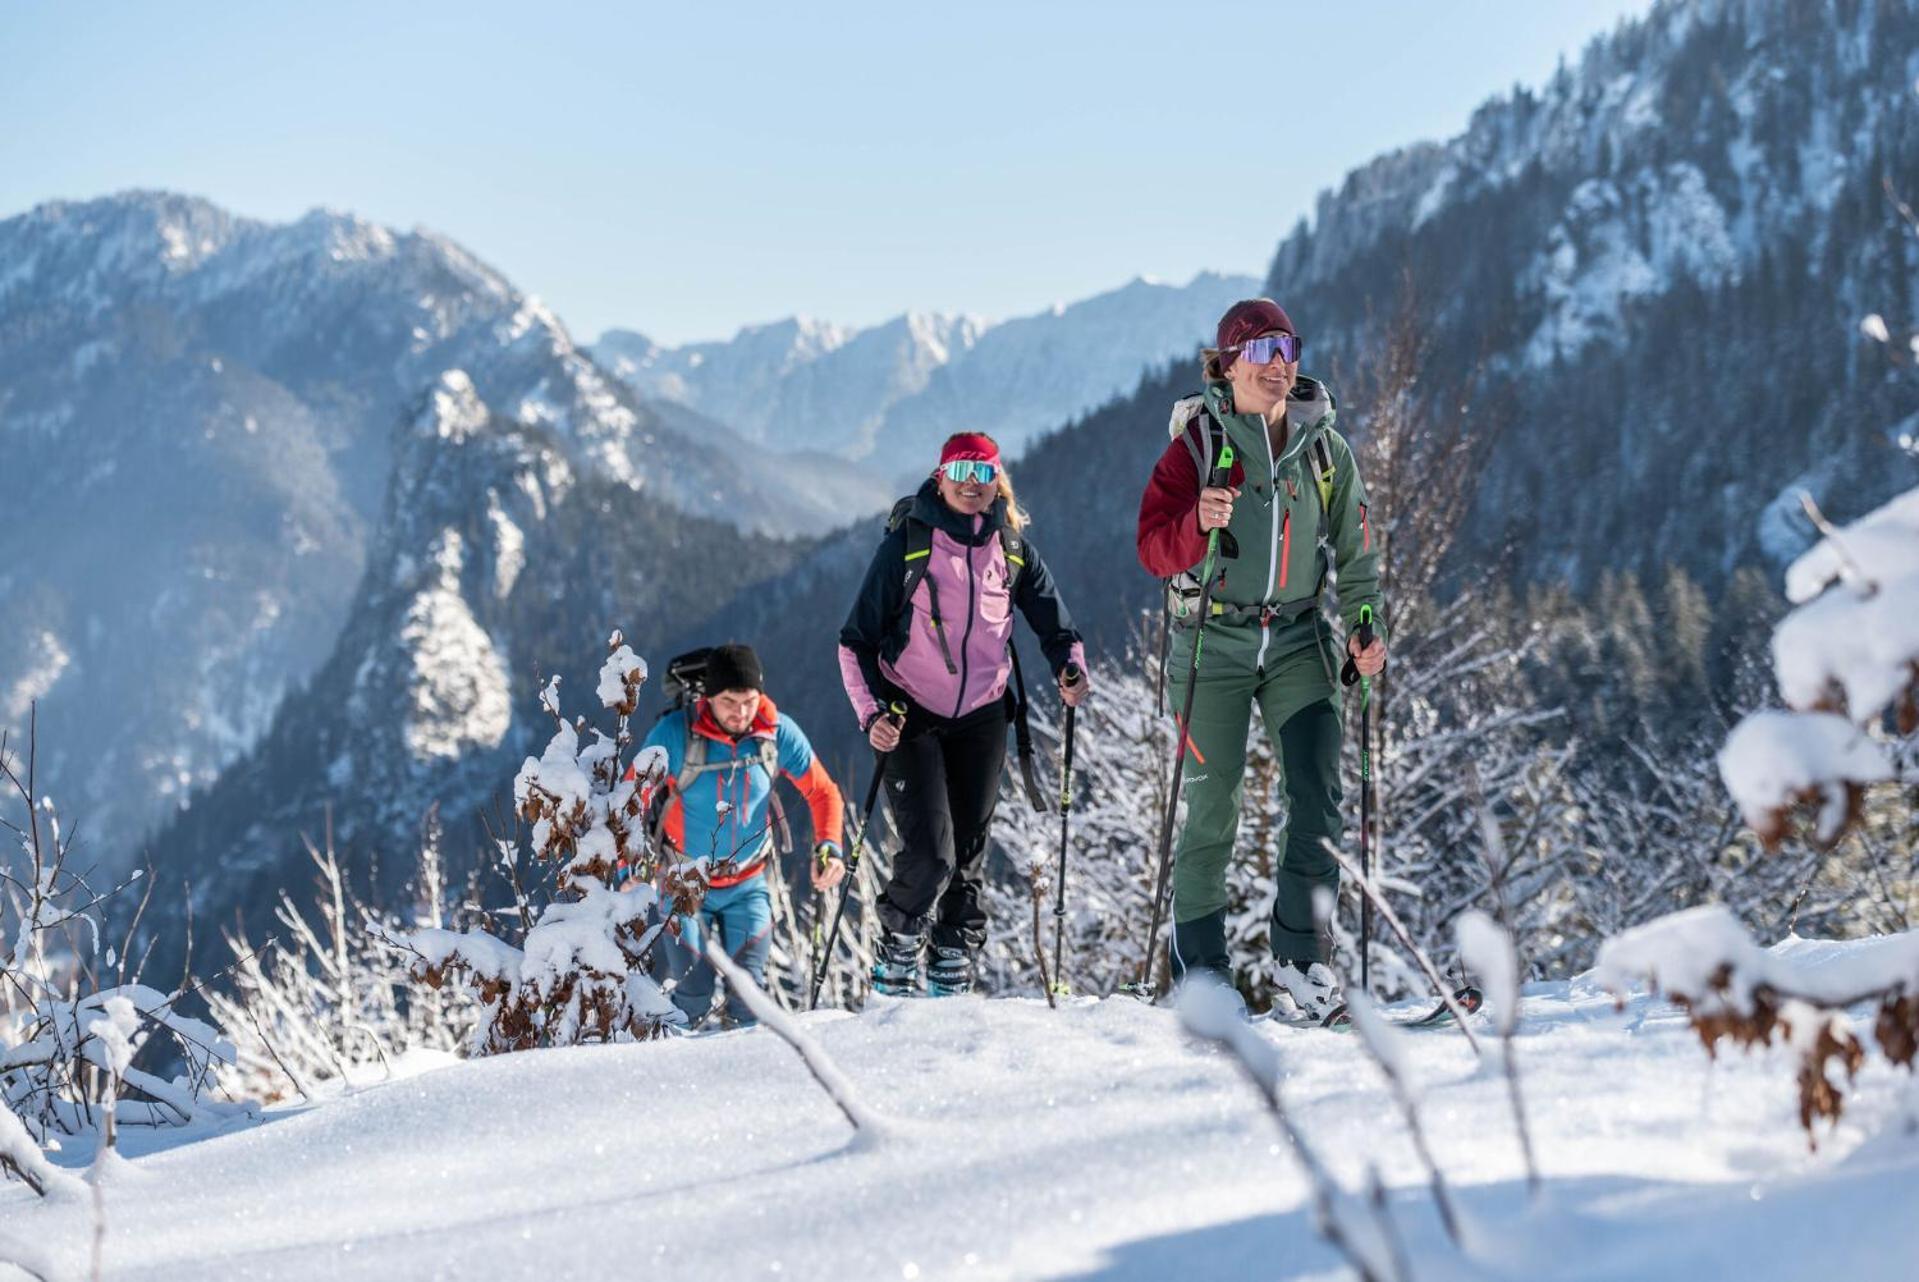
pixel 892 647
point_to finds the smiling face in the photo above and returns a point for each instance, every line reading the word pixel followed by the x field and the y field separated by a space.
pixel 1257 389
pixel 735 709
pixel 968 498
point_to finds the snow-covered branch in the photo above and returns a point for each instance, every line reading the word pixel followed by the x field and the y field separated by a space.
pixel 870 1125
pixel 1213 1012
pixel 1705 961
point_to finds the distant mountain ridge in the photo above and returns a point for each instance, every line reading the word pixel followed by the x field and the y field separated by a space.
pixel 1642 283
pixel 196 417
pixel 891 393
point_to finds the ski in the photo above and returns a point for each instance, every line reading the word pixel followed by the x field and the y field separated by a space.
pixel 1470 999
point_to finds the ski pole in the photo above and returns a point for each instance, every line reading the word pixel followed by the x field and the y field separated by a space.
pixel 1220 478
pixel 1071 677
pixel 1347 675
pixel 896 713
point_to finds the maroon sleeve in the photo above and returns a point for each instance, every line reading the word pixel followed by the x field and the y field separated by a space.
pixel 1170 541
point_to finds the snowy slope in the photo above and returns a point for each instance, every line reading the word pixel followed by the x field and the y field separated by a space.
pixel 892 392
pixel 1096 1141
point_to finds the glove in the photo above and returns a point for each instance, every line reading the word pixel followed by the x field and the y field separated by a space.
pixel 827 867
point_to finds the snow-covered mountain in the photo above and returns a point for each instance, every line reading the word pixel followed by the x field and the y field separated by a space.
pixel 196 415
pixel 1654 267
pixel 1646 280
pixel 893 392
pixel 499 562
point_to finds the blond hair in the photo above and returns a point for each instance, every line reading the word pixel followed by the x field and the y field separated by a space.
pixel 1016 516
pixel 1210 368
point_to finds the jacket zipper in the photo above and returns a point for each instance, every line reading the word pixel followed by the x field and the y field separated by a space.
pixel 966 639
pixel 1272 563
pixel 1365 531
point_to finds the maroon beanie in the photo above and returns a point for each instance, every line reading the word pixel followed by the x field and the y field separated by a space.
pixel 1249 318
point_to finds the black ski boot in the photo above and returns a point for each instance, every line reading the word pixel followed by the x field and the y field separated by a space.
pixel 896 964
pixel 950 972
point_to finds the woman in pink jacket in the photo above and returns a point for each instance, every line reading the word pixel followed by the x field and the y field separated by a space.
pixel 933 628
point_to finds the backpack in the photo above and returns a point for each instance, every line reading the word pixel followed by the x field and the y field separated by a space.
pixel 918 556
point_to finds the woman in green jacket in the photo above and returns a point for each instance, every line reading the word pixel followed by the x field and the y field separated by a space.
pixel 1293 514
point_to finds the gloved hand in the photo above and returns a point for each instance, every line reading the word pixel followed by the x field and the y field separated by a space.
pixel 827 867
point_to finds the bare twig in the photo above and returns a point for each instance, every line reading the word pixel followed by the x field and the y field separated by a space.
pixel 1405 938
pixel 1219 1021
pixel 783 1025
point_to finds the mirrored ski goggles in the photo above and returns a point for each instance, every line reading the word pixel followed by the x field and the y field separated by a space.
pixel 1260 351
pixel 963 470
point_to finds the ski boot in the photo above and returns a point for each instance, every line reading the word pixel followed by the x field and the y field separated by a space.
pixel 1311 989
pixel 950 972
pixel 896 964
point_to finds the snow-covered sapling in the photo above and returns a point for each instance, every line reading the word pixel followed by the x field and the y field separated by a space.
pixel 581 973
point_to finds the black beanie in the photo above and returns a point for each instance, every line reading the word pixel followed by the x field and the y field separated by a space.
pixel 733 667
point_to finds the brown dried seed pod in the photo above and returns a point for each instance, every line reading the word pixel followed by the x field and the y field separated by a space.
pixel 1906 710
pixel 1818 1097
pixel 1898 1029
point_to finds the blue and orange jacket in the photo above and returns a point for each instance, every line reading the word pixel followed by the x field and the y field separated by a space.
pixel 743 835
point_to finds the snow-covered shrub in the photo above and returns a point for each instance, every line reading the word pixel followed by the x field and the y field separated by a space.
pixel 79 1055
pixel 337 1000
pixel 580 971
pixel 1733 989
pixel 1846 660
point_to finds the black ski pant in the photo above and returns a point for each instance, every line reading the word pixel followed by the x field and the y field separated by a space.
pixel 942 784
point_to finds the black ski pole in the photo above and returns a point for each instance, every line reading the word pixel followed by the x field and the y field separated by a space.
pixel 1347 675
pixel 1070 677
pixel 1221 476
pixel 895 713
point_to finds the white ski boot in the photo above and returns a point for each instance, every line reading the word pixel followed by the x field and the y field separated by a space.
pixel 1310 989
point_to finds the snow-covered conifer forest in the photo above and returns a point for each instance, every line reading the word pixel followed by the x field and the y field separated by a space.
pixel 341 935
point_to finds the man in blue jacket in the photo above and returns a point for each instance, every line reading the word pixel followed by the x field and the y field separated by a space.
pixel 722 754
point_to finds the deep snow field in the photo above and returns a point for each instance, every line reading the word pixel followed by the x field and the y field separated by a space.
pixel 1094 1141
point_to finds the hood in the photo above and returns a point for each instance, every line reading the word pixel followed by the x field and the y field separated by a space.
pixel 1310 410
pixel 930 509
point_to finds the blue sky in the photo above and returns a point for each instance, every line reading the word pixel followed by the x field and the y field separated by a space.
pixel 687 169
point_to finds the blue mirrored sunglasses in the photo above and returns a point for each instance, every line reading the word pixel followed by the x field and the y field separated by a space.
pixel 962 470
pixel 1260 351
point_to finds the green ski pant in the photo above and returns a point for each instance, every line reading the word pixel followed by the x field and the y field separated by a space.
pixel 1299 705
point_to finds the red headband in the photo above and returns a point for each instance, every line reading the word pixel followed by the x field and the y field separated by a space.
pixel 970 445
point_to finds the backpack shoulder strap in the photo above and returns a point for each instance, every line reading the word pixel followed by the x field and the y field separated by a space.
pixel 1014 548
pixel 1323 471
pixel 765 754
pixel 692 759
pixel 1204 445
pixel 919 545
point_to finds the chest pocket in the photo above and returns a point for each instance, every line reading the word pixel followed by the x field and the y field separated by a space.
pixel 995 589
